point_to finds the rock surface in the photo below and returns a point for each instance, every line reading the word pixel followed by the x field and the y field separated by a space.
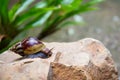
pixel 86 59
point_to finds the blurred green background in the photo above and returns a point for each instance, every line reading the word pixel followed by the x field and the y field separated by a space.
pixel 102 24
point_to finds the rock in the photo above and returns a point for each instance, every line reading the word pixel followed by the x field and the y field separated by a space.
pixel 62 72
pixel 30 69
pixel 86 59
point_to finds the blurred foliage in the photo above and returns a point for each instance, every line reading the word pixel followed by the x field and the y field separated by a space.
pixel 49 15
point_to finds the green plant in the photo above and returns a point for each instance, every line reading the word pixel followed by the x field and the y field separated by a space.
pixel 49 15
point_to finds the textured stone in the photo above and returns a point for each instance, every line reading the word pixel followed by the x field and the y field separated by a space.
pixel 86 59
pixel 61 72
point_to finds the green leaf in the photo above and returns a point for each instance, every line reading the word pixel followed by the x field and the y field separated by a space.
pixel 18 8
pixel 4 11
pixel 13 10
pixel 24 6
pixel 38 21
pixel 27 14
pixel 42 20
pixel 69 5
pixel 41 4
pixel 31 14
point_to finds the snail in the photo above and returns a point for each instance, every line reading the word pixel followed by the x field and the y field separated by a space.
pixel 31 47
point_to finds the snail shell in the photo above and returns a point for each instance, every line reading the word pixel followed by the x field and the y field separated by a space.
pixel 28 46
pixel 32 45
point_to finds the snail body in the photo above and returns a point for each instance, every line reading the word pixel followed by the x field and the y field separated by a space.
pixel 31 47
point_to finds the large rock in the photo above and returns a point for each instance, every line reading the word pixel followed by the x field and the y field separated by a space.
pixel 86 59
